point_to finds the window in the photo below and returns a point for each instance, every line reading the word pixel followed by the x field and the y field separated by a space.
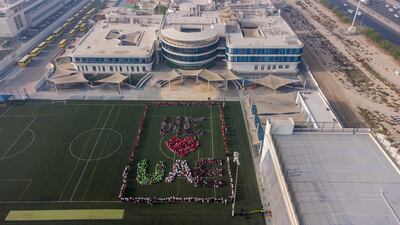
pixel 104 69
pixel 111 68
pixel 86 68
pixel 132 68
pixel 269 67
pixel 286 66
pixel 255 67
pixel 137 68
pixel 144 68
pixel 127 68
pixel 262 67
pixel 280 66
pixel 94 68
pixel 274 67
pixel 120 69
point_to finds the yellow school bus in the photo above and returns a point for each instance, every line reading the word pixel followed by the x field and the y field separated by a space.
pixel 58 31
pixel 35 52
pixel 50 39
pixel 65 25
pixel 72 32
pixel 82 27
pixel 42 45
pixel 71 20
pixel 25 61
pixel 62 43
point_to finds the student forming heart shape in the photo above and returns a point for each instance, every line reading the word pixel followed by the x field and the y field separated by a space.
pixel 182 146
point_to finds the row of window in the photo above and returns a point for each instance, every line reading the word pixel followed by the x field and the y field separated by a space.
pixel 265 51
pixel 114 60
pixel 189 50
pixel 263 58
pixel 271 67
pixel 112 68
pixel 190 58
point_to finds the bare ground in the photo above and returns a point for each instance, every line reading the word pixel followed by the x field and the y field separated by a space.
pixel 355 74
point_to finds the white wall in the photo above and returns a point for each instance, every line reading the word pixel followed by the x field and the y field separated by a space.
pixel 121 68
pixel 250 67
pixel 12 58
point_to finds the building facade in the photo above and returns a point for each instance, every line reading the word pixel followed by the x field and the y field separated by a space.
pixel 189 50
pixel 18 15
pixel 127 46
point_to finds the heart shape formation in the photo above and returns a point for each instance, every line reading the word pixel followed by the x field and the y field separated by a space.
pixel 182 146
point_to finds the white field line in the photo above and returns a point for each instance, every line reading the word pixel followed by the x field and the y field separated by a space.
pixel 16 140
pixel 212 141
pixel 77 162
pixel 102 150
pixel 54 202
pixel 91 154
pixel 26 189
pixel 5 112
pixel 19 180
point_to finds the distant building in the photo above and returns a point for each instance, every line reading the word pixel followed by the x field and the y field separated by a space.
pixel 265 44
pixel 17 15
pixel 126 47
pixel 250 38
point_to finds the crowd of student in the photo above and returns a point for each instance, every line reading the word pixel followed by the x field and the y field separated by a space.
pixel 180 168
pixel 173 199
pixel 182 146
pixel 224 131
pixel 189 128
pixel 144 178
pixel 128 168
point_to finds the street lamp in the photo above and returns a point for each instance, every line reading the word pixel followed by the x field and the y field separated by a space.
pixel 352 28
pixel 236 160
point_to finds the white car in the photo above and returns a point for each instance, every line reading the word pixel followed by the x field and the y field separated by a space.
pixel 350 11
pixel 395 15
pixel 345 5
pixel 391 10
pixel 359 13
pixel 387 6
pixel 395 7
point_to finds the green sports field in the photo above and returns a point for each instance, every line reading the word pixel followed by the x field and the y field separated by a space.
pixel 71 156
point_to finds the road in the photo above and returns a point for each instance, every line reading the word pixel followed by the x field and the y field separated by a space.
pixel 380 7
pixel 389 33
pixel 18 77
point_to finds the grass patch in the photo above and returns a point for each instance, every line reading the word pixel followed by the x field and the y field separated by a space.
pixel 77 158
pixel 391 48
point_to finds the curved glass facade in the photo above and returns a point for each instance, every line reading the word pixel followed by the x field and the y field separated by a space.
pixel 189 58
pixel 189 50
pixel 265 51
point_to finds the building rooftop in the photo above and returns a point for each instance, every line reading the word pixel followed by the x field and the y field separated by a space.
pixel 259 32
pixel 319 109
pixel 117 40
pixel 339 178
pixel 9 3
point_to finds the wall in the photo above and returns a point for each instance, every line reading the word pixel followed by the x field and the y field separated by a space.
pixel 13 58
pixel 249 67
pixel 126 68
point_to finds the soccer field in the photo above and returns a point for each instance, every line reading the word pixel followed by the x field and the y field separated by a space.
pixel 71 156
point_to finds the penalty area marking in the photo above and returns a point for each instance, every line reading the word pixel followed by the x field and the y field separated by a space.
pixel 66 214
pixel 23 149
pixel 94 158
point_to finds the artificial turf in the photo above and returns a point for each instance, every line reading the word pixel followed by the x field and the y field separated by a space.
pixel 41 142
